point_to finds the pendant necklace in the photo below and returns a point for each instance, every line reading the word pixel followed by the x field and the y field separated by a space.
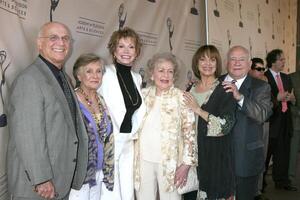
pixel 127 92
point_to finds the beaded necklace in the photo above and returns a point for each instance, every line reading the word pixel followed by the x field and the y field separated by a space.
pixel 100 122
pixel 86 97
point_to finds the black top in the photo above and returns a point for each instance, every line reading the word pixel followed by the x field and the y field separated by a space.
pixel 131 95
pixel 215 154
pixel 53 69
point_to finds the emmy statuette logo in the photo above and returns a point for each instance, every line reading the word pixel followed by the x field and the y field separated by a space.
pixel 3 119
pixel 241 24
pixel 194 10
pixel 170 27
pixel 54 4
pixel 216 11
pixel 122 19
pixel 266 48
pixel 229 38
pixel 273 35
pixel 283 33
pixel 258 17
pixel 250 47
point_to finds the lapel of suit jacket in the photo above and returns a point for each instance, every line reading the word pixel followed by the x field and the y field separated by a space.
pixel 115 97
pixel 51 80
pixel 285 82
pixel 272 82
pixel 245 88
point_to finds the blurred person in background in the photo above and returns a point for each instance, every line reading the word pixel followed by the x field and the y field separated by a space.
pixel 257 71
pixel 281 126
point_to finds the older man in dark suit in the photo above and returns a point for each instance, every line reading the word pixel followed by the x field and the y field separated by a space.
pixel 253 98
pixel 281 120
pixel 47 150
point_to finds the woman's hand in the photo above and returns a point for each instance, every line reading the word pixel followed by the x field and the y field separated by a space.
pixel 190 102
pixel 181 175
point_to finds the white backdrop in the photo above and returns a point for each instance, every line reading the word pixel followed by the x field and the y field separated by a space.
pixel 259 25
pixel 163 25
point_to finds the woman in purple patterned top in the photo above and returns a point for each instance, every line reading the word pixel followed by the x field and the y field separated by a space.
pixel 88 70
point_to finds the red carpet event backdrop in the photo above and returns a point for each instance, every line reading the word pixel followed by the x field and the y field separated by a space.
pixel 259 25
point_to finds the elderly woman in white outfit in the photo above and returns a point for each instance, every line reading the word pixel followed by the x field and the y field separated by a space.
pixel 121 92
pixel 166 148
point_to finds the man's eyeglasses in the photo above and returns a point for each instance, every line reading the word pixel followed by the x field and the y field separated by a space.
pixel 260 69
pixel 55 38
pixel 241 59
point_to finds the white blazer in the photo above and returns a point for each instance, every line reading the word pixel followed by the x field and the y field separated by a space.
pixel 124 152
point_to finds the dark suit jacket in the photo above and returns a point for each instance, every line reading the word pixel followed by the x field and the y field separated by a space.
pixel 248 130
pixel 43 144
pixel 276 118
pixel 295 77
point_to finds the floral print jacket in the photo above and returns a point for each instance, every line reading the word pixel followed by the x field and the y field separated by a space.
pixel 178 136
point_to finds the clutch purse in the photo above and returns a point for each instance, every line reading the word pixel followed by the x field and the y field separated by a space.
pixel 192 183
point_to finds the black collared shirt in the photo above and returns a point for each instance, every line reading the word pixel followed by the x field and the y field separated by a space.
pixel 53 69
pixel 71 101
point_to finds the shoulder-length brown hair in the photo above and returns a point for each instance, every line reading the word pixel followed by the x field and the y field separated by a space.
pixel 210 51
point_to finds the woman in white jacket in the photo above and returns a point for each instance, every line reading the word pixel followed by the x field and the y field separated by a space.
pixel 121 91
pixel 166 147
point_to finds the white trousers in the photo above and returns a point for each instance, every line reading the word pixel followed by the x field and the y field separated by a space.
pixel 152 182
pixel 87 193
pixel 123 180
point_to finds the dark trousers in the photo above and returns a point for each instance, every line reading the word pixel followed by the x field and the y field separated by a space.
pixel 279 149
pixel 246 187
pixel 190 195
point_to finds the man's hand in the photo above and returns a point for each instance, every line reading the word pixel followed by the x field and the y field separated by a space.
pixel 281 96
pixel 286 96
pixel 45 190
pixel 231 87
pixel 291 97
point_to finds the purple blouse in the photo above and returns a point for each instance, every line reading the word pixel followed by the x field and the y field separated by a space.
pixel 95 142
